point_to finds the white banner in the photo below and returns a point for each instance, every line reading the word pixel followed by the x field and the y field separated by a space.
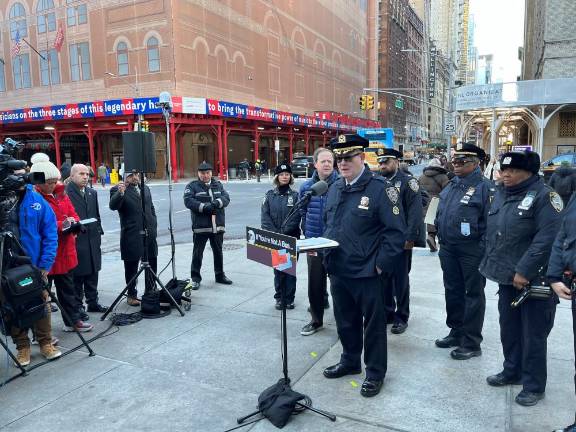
pixel 192 105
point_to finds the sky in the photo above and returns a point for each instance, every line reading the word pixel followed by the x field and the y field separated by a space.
pixel 500 31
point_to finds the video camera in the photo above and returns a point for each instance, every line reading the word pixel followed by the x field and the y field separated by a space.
pixel 10 182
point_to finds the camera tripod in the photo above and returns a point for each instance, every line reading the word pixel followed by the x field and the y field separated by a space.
pixel 149 275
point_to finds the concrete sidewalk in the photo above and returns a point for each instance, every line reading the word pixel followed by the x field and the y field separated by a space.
pixel 202 371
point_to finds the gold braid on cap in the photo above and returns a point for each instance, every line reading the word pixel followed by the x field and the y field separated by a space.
pixel 462 153
pixel 343 150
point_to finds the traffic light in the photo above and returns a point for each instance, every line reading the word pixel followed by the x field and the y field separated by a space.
pixel 144 125
pixel 363 102
pixel 369 102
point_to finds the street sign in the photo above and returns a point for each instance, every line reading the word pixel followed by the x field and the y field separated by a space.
pixel 450 124
pixel 399 103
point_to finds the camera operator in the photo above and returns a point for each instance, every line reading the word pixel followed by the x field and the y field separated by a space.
pixel 66 259
pixel 34 224
pixel 562 269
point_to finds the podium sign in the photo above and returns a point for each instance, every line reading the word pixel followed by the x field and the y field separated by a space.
pixel 271 249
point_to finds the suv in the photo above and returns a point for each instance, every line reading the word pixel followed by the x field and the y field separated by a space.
pixel 549 166
pixel 302 166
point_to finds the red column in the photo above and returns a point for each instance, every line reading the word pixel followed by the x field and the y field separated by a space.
pixel 98 149
pixel 91 147
pixel 57 148
pixel 256 142
pixel 290 144
pixel 306 140
pixel 219 162
pixel 173 154
pixel 181 150
pixel 225 150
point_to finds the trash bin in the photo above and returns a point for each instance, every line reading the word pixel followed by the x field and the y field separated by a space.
pixel 232 172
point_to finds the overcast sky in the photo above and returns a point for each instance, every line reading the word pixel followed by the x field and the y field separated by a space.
pixel 500 31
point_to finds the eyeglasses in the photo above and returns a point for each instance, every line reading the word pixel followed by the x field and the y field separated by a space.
pixel 346 158
pixel 461 162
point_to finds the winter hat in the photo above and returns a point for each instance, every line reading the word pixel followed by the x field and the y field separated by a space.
pixel 283 168
pixel 41 163
pixel 435 163
pixel 527 161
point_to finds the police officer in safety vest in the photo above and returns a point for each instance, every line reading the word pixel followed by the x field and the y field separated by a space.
pixel 523 221
pixel 363 215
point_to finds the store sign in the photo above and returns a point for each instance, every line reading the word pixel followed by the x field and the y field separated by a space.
pixel 432 73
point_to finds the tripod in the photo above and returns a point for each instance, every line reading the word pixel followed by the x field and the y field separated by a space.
pixel 149 275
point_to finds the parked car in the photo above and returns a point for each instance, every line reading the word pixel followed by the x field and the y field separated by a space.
pixel 303 166
pixel 549 166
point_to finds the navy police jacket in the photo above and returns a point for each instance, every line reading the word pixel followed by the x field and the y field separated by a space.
pixel 365 219
pixel 276 206
pixel 463 210
pixel 563 256
pixel 522 224
pixel 196 196
pixel 409 190
pixel 312 220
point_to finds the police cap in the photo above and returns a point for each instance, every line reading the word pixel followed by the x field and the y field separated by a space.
pixel 285 167
pixel 348 145
pixel 465 150
pixel 388 153
pixel 526 161
pixel 205 166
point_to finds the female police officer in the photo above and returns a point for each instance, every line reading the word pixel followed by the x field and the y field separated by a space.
pixel 562 268
pixel 522 224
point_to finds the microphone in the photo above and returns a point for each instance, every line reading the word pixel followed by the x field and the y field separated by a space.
pixel 318 188
pixel 164 101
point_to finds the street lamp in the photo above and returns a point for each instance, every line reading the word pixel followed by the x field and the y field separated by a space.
pixel 135 87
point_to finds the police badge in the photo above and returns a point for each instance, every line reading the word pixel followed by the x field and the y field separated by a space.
pixel 290 201
pixel 556 201
pixel 364 203
pixel 392 194
pixel 413 183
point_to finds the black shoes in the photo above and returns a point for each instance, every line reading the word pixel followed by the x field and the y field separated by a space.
pixel 311 328
pixel 465 353
pixel 526 398
pixel 339 370
pixel 223 280
pixel 399 327
pixel 194 285
pixel 371 387
pixel 83 315
pixel 98 308
pixel 500 380
pixel 447 342
pixel 278 305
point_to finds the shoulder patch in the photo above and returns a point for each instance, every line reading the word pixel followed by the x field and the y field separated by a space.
pixel 187 190
pixel 392 193
pixel 413 183
pixel 556 201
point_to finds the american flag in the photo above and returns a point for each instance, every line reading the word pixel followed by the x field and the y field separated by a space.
pixel 16 47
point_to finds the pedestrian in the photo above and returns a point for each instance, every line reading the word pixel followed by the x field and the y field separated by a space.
pixel 523 221
pixel 65 170
pixel 207 199
pixel 85 202
pixel 313 226
pixel 563 181
pixel 61 273
pixel 492 171
pixel 562 270
pixel 363 216
pixel 102 173
pixel 91 174
pixel 245 167
pixel 461 226
pixel 33 223
pixel 126 198
pixel 258 167
pixel 433 180
pixel 277 204
pixel 397 296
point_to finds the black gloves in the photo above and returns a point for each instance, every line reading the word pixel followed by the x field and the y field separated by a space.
pixel 77 228
pixel 208 208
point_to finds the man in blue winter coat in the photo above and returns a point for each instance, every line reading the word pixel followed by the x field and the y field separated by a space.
pixel 313 226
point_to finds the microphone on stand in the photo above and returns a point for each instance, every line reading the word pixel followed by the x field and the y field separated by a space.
pixel 317 189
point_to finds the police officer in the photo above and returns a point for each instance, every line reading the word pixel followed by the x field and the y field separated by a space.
pixel 562 269
pixel 461 225
pixel 398 298
pixel 523 221
pixel 207 199
pixel 363 215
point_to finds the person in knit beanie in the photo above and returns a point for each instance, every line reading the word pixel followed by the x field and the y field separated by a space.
pixel 66 258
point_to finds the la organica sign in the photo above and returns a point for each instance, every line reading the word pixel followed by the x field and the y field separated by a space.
pixel 516 94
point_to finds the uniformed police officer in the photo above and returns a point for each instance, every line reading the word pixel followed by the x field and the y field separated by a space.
pixel 461 224
pixel 562 269
pixel 363 215
pixel 523 221
pixel 398 298
pixel 207 199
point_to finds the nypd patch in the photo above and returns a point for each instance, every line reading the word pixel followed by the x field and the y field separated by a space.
pixel 392 193
pixel 556 201
pixel 413 183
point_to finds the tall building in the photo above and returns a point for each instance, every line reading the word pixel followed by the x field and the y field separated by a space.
pixel 291 56
pixel 415 75
pixel 484 69
pixel 472 62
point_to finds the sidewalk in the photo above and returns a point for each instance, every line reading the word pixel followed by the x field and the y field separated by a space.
pixel 202 371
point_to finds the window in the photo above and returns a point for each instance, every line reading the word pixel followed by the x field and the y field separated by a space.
pixel 122 58
pixel 76 13
pixel 80 62
pixel 567 124
pixel 153 55
pixel 21 71
pixel 49 68
pixel 46 18
pixel 18 21
pixel 2 78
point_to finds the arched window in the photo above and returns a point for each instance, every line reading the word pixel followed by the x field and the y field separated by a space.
pixel 76 13
pixel 153 54
pixel 221 65
pixel 122 57
pixel 201 52
pixel 45 18
pixel 18 21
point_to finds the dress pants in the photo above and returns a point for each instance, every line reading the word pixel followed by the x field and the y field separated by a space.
pixel 574 334
pixel 464 292
pixel 42 330
pixel 66 293
pixel 317 288
pixel 130 270
pixel 216 241
pixel 361 322
pixel 397 295
pixel 87 286
pixel 286 281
